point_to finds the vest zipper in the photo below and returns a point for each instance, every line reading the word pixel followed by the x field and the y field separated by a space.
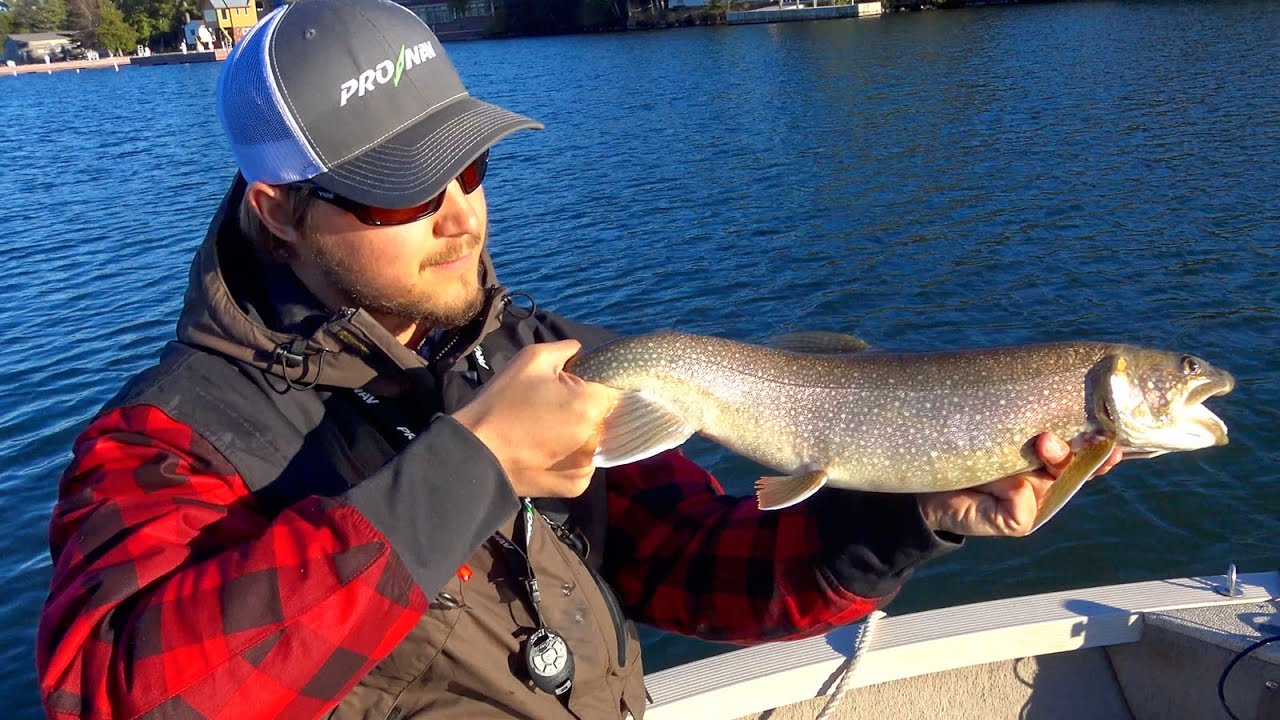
pixel 615 612
pixel 492 294
pixel 606 592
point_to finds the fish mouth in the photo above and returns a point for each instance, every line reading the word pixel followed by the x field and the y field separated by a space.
pixel 1186 424
pixel 1197 423
pixel 1221 384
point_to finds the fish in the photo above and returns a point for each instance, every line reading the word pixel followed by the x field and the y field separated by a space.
pixel 826 409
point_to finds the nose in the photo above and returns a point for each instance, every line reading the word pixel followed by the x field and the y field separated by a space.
pixel 461 213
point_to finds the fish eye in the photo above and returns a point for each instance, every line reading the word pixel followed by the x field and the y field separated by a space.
pixel 1190 365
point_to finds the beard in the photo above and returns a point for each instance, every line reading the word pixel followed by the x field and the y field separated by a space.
pixel 444 310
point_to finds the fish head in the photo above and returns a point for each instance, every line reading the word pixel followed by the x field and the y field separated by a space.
pixel 1152 401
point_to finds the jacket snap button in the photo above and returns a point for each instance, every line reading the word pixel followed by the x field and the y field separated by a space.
pixel 567 589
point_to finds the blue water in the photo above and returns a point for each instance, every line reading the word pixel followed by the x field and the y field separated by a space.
pixel 934 180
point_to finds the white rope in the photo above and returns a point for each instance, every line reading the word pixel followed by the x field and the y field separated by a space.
pixel 860 644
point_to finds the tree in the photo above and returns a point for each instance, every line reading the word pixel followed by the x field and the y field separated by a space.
pixel 39 15
pixel 82 15
pixel 151 18
pixel 112 31
pixel 6 24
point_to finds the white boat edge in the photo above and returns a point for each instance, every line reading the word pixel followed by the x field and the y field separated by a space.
pixel 752 680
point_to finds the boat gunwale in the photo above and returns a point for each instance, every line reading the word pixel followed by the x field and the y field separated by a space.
pixel 754 679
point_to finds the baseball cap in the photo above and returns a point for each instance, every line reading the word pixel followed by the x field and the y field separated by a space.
pixel 357 96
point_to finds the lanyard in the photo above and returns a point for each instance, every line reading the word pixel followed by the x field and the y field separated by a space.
pixel 528 518
pixel 547 656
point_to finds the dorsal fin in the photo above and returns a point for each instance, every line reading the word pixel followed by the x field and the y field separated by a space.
pixel 817 342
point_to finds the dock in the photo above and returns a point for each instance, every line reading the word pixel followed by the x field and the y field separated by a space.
pixel 115 63
pixel 204 56
pixel 797 13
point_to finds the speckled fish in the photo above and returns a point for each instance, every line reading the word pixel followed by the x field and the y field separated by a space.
pixel 821 410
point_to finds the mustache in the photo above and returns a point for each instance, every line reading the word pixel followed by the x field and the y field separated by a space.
pixel 453 249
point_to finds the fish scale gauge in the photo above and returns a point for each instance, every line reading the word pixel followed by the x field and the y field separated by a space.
pixel 823 410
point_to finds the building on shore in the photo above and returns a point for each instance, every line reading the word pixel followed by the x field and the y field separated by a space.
pixel 229 20
pixel 433 13
pixel 24 48
pixel 454 20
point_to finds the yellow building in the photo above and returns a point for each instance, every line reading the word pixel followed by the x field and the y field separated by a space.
pixel 229 19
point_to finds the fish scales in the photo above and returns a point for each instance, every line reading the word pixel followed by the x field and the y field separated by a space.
pixel 894 422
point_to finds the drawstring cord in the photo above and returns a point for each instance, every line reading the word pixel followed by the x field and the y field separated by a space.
pixel 519 311
pixel 292 354
pixel 289 355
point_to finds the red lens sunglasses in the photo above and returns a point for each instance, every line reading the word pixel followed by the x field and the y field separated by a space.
pixel 470 178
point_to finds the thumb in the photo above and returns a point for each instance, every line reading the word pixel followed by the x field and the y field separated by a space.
pixel 556 354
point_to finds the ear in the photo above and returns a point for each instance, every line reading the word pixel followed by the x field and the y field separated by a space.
pixel 276 212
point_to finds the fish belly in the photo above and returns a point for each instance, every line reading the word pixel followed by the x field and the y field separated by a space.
pixel 875 439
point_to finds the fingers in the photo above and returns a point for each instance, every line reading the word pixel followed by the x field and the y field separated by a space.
pixel 1013 508
pixel 597 400
pixel 1116 456
pixel 1023 504
pixel 1007 506
pixel 1056 455
pixel 594 400
pixel 540 422
pixel 1053 452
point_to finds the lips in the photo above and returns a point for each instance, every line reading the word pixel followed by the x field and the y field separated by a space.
pixel 1222 384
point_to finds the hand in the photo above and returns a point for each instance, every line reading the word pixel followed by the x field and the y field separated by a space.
pixel 1007 506
pixel 540 422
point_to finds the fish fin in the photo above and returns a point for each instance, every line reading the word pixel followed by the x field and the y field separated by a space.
pixel 775 493
pixel 817 342
pixel 1082 466
pixel 638 428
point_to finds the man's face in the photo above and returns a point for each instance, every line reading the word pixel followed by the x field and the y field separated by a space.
pixel 424 272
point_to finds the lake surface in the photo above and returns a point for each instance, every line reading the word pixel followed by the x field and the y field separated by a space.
pixel 925 181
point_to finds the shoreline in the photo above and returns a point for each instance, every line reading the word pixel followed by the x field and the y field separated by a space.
pixel 175 58
pixel 460 30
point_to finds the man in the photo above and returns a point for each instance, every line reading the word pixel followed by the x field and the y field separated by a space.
pixel 360 482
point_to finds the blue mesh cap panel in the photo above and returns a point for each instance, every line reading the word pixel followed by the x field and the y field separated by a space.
pixel 264 138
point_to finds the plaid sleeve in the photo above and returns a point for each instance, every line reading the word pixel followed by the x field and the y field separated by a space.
pixel 172 596
pixel 685 557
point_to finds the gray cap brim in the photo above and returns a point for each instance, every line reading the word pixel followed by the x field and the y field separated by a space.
pixel 415 164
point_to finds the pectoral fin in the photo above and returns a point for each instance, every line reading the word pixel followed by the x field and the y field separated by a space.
pixel 1082 466
pixel 639 428
pixel 775 493
pixel 817 343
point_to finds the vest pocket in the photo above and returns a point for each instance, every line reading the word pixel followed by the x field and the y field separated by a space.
pixel 378 695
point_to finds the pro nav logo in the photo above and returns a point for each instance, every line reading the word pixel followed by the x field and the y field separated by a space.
pixel 386 71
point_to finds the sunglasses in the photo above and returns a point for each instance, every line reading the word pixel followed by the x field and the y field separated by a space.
pixel 470 178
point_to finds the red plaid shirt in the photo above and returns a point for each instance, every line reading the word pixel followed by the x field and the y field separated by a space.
pixel 173 595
